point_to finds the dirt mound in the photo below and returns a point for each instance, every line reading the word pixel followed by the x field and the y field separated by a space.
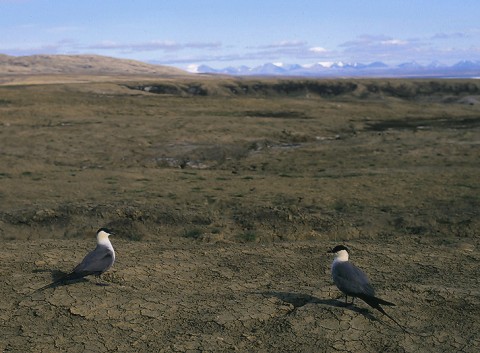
pixel 80 65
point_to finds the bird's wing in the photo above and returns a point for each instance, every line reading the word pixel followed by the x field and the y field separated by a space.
pixel 97 261
pixel 351 280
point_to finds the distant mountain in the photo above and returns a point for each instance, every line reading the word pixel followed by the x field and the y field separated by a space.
pixel 80 65
pixel 410 65
pixel 342 69
pixel 376 65
pixel 466 64
pixel 436 64
pixel 269 69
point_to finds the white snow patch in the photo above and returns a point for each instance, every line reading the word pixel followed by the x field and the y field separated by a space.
pixel 193 68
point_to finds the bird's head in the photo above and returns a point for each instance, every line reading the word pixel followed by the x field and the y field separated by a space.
pixel 341 252
pixel 103 234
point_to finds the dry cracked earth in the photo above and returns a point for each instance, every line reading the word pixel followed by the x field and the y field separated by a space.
pixel 174 297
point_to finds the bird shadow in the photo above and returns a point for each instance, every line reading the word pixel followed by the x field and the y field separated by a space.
pixel 300 299
pixel 57 275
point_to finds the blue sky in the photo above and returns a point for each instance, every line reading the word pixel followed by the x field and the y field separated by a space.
pixel 222 33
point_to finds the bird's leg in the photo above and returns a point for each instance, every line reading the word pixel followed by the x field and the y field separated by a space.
pixel 353 298
pixel 99 282
pixel 346 299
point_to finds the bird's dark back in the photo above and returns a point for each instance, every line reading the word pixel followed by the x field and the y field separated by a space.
pixel 351 280
pixel 97 261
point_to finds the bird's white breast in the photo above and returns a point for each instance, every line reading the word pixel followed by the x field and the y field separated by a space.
pixel 106 243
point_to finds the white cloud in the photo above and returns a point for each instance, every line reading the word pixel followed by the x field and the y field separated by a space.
pixel 283 44
pixel 423 49
pixel 317 50
pixel 455 35
pixel 164 45
pixel 394 42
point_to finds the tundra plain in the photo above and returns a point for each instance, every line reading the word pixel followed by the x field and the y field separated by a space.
pixel 225 195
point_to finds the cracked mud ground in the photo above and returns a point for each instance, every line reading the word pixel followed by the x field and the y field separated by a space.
pixel 225 207
pixel 237 297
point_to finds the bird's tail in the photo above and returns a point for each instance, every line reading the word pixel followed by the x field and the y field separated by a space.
pixel 375 302
pixel 383 302
pixel 68 277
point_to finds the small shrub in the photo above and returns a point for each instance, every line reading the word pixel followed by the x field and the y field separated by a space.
pixel 248 237
pixel 194 233
pixel 340 206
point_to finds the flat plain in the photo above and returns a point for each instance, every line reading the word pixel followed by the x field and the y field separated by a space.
pixel 225 195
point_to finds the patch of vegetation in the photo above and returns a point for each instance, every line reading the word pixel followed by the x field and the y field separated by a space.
pixel 410 89
pixel 190 89
pixel 422 124
pixel 273 114
pixel 111 180
pixel 194 233
pixel 144 179
pixel 340 206
pixel 405 89
pixel 211 199
pixel 247 237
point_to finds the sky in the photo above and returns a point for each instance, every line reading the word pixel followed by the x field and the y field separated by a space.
pixel 223 33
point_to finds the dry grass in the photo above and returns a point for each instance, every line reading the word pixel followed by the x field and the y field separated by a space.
pixel 271 161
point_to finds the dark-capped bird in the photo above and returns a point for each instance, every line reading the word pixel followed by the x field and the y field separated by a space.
pixel 353 282
pixel 95 263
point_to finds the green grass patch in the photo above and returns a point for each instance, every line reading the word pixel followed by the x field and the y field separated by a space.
pixel 247 237
pixel 194 233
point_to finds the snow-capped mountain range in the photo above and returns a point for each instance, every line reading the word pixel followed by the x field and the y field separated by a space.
pixel 462 69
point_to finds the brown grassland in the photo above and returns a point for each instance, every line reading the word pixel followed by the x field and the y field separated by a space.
pixel 225 195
